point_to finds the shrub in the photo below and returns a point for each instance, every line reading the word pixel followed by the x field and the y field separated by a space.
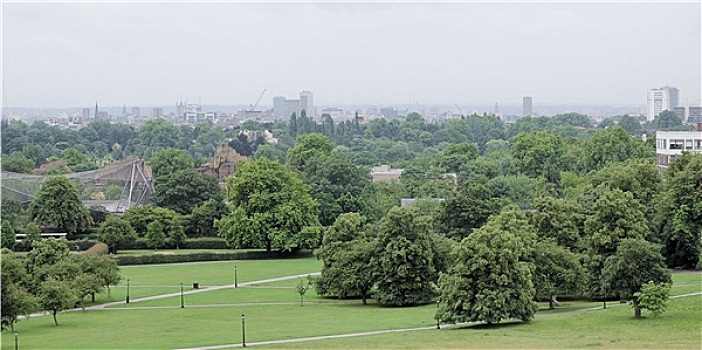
pixel 98 248
pixel 124 260
pixel 205 243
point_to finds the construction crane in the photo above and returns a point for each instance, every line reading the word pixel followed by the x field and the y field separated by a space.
pixel 253 106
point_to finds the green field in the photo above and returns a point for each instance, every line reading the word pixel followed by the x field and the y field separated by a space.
pixel 273 313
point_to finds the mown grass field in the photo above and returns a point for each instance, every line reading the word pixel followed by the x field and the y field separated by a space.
pixel 273 312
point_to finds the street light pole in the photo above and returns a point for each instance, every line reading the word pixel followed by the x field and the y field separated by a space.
pixel 438 320
pixel 16 341
pixel 182 304
pixel 127 291
pixel 243 330
pixel 236 285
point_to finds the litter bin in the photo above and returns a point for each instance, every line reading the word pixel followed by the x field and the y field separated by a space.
pixel 196 285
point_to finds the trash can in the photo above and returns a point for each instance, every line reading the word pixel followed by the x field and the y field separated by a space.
pixel 196 285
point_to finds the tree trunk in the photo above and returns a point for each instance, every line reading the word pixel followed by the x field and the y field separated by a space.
pixel 268 248
pixel 55 320
pixel 92 297
pixel 637 311
pixel 364 299
pixel 12 325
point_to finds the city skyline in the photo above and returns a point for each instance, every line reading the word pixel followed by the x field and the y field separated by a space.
pixel 66 55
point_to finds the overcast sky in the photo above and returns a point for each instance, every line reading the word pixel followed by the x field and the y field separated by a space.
pixel 71 54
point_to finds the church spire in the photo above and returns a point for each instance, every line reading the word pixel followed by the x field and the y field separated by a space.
pixel 96 109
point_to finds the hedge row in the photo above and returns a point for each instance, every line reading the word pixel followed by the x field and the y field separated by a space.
pixel 124 260
pixel 140 243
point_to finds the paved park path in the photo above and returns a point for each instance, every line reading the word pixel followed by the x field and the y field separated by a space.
pixel 361 334
pixel 202 290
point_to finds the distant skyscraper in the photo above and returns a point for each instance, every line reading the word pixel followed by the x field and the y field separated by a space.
pixel 659 100
pixel 307 103
pixel 278 107
pixel 157 112
pixel 526 106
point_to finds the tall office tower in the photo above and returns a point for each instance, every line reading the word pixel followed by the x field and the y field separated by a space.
pixel 526 106
pixel 659 100
pixel 156 112
pixel 279 107
pixel 307 103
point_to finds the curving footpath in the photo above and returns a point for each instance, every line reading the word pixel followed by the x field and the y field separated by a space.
pixel 360 334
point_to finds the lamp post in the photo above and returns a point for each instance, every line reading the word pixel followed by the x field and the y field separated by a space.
pixel 236 285
pixel 243 330
pixel 127 291
pixel 438 320
pixel 182 304
pixel 16 341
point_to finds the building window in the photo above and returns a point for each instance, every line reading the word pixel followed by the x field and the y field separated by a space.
pixel 688 144
pixel 676 144
pixel 698 144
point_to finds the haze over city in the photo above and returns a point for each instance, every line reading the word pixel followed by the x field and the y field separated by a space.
pixel 72 54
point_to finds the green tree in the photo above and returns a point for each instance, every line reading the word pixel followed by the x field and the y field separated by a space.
pixel 157 134
pixel 667 120
pixel 615 217
pixel 678 217
pixel 184 190
pixel 560 220
pixel 270 207
pixel 16 162
pixel 58 205
pixel 308 147
pixel 103 268
pixel 16 300
pixel 202 218
pixel 492 277
pixel 610 146
pixel 8 235
pixel 404 258
pixel 116 232
pixel 56 295
pixel 634 263
pixel 558 271
pixel 347 250
pixel 631 124
pixel 466 211
pixel 168 161
pixel 171 222
pixel 653 297
pixel 538 154
pixel 154 235
pixel 455 156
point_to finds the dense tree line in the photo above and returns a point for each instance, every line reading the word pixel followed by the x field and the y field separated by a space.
pixel 554 205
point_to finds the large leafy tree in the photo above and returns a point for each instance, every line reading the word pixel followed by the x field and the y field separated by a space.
pixel 404 258
pixel 57 295
pixel 58 205
pixel 7 235
pixel 466 211
pixel 347 250
pixel 270 208
pixel 635 263
pixel 560 220
pixel 168 161
pixel 202 218
pixel 609 146
pixel 615 217
pixel 184 190
pixel 16 300
pixel 679 211
pixel 492 277
pixel 308 147
pixel 538 154
pixel 455 157
pixel 557 271
pixel 116 232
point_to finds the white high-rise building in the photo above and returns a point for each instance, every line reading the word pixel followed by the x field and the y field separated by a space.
pixel 307 104
pixel 659 100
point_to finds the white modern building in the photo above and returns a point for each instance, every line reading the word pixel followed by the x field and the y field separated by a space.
pixel 284 107
pixel 670 144
pixel 659 100
pixel 307 104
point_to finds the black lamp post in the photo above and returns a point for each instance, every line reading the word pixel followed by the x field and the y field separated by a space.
pixel 127 291
pixel 438 320
pixel 243 330
pixel 182 304
pixel 236 285
pixel 16 341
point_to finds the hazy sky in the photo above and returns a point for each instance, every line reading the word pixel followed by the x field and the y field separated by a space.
pixel 70 54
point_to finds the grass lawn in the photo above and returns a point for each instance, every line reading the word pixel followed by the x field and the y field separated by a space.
pixel 214 318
